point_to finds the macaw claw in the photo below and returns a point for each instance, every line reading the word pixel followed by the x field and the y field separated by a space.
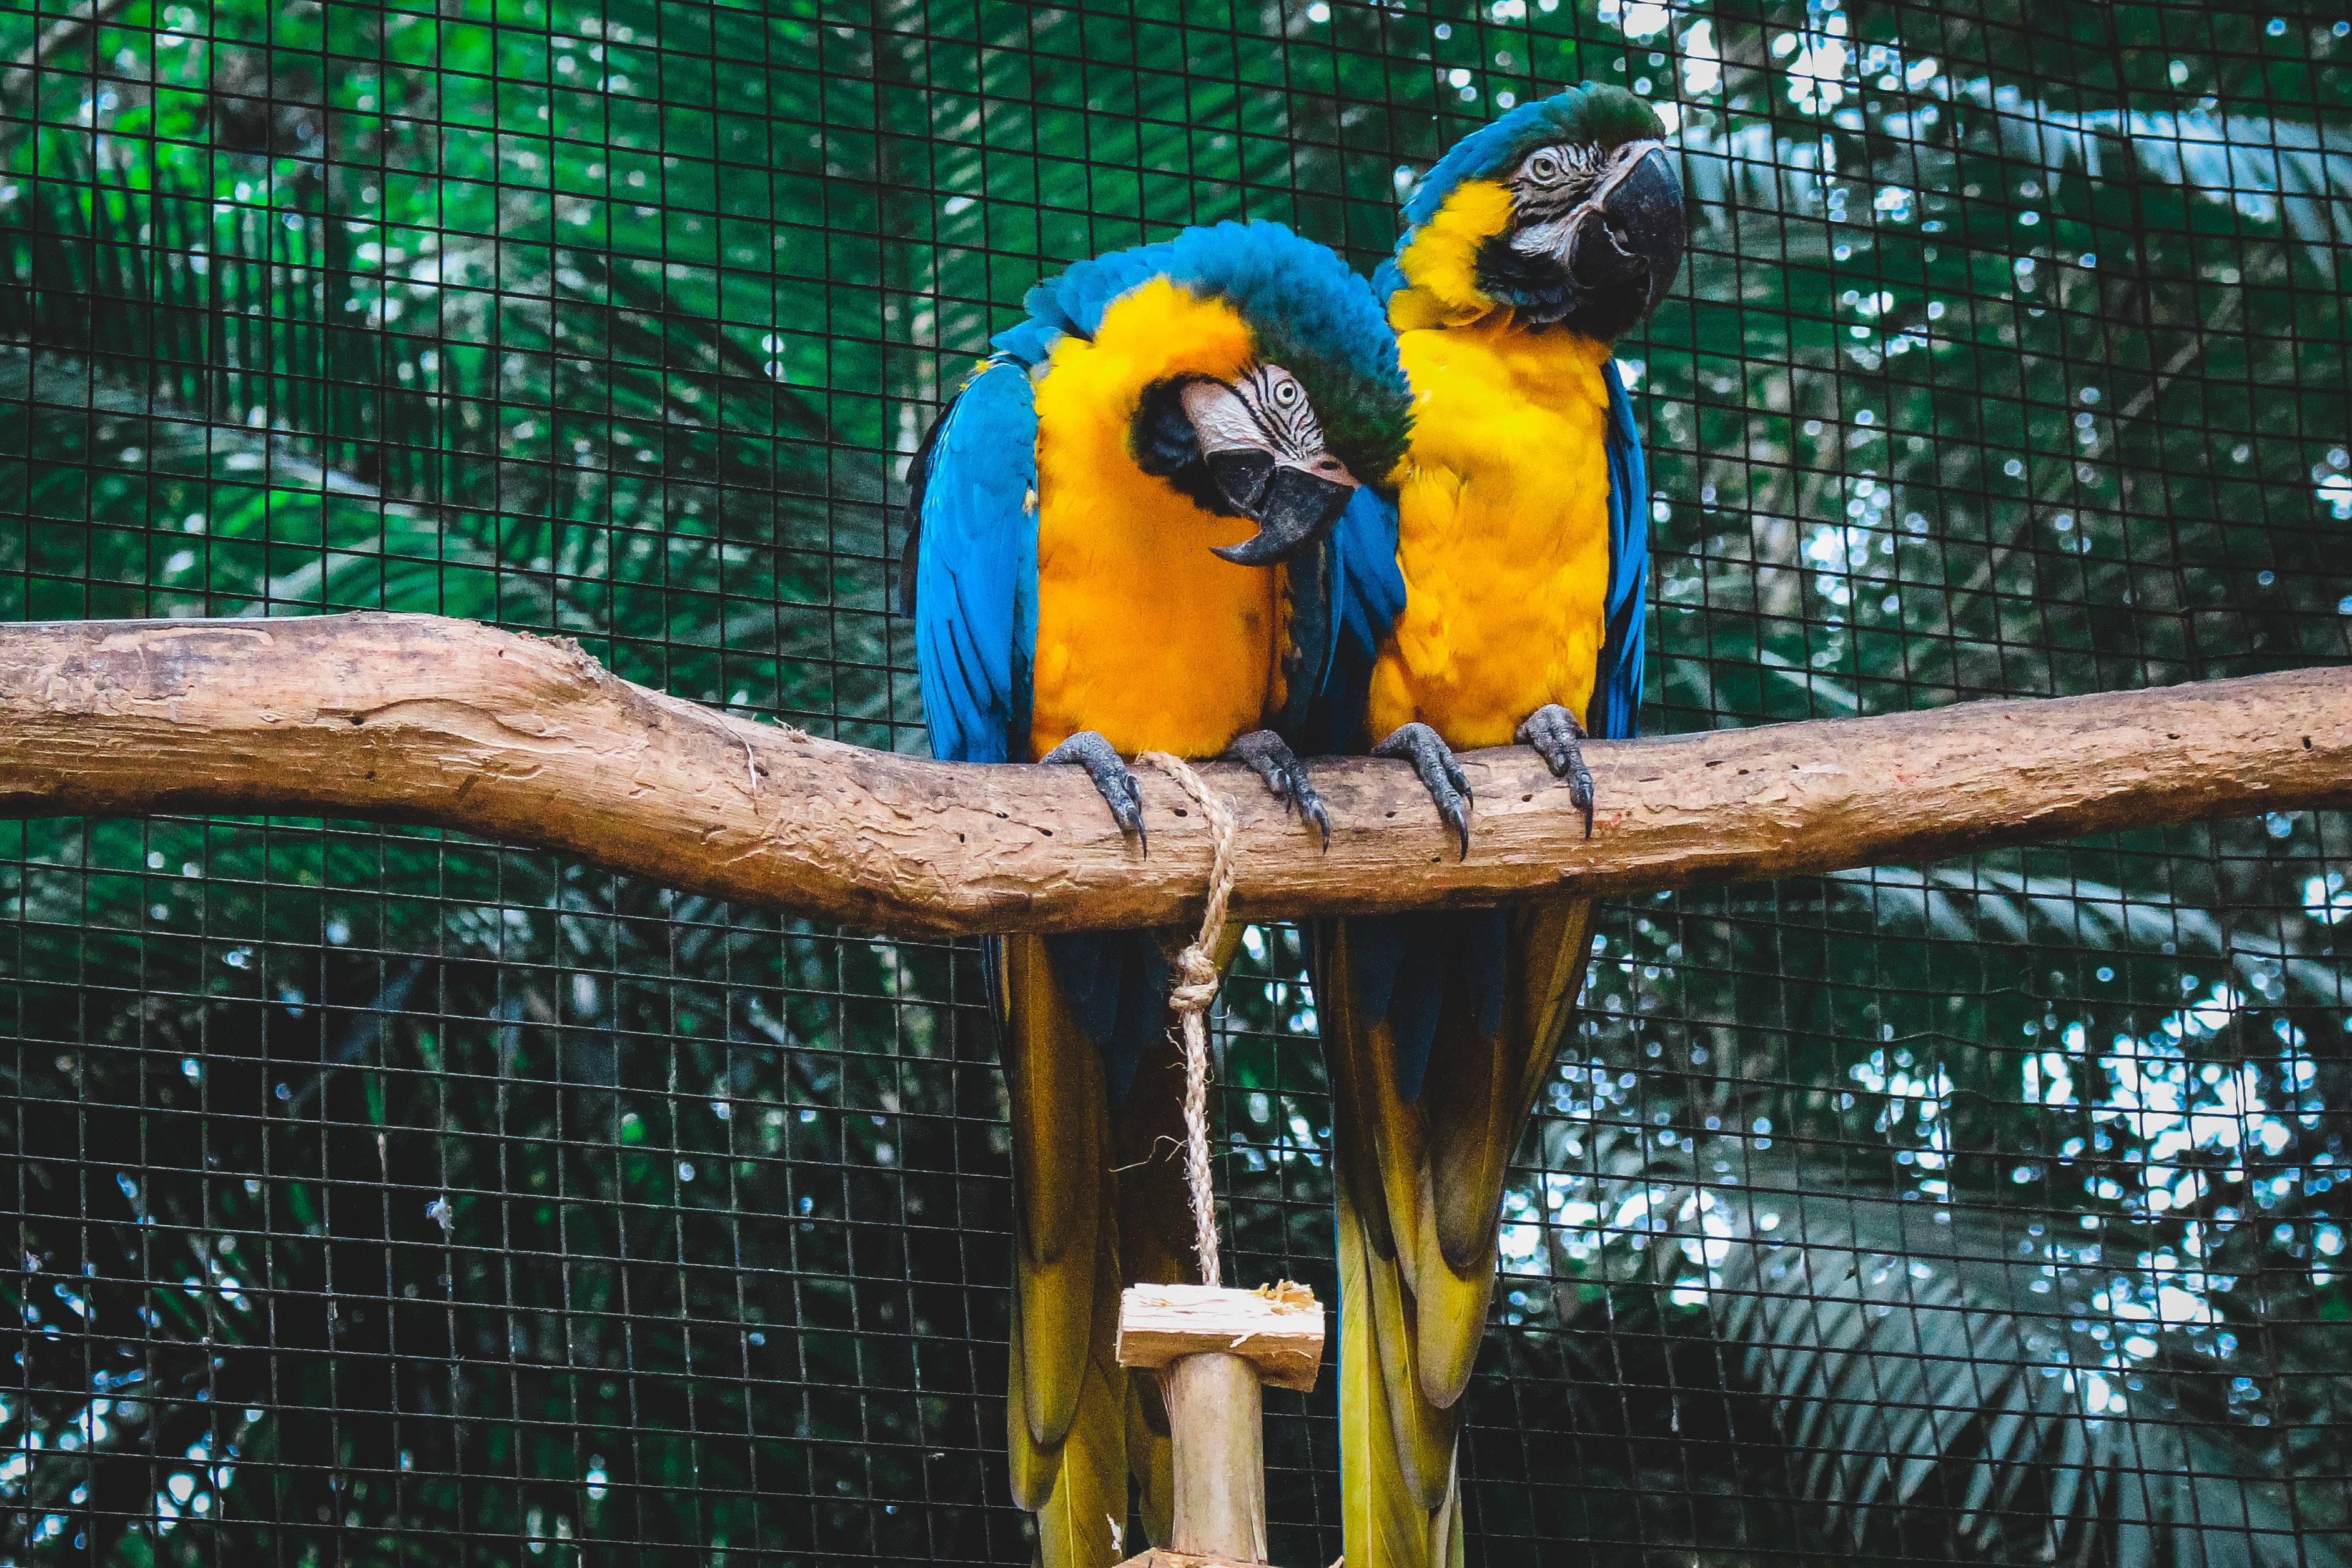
pixel 1285 775
pixel 1553 731
pixel 1440 774
pixel 1119 792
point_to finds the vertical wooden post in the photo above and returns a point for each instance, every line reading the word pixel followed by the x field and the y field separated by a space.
pixel 1214 1350
pixel 1217 1421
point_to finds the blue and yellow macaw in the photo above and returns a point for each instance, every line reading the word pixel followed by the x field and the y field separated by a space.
pixel 1523 547
pixel 1126 531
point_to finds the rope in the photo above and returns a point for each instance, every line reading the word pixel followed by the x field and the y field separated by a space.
pixel 1191 997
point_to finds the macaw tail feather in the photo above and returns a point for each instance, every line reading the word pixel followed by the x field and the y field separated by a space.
pixel 1098 1203
pixel 1419 1206
pixel 1066 1406
pixel 1077 1487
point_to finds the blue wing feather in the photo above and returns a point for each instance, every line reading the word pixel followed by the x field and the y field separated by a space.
pixel 1368 595
pixel 975 609
pixel 1614 712
pixel 975 569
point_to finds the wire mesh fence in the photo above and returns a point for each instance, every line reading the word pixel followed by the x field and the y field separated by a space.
pixel 380 1195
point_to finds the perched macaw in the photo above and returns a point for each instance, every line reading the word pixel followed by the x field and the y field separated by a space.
pixel 1523 547
pixel 1125 530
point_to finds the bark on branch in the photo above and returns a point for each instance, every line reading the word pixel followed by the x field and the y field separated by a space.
pixel 412 718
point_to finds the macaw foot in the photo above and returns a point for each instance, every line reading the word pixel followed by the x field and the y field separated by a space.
pixel 1553 731
pixel 1285 775
pixel 1090 751
pixel 1440 774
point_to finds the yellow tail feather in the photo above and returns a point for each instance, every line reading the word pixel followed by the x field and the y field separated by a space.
pixel 1087 1503
pixel 1421 1187
pixel 1449 1323
pixel 1054 1080
pixel 1067 1409
pixel 1385 1516
pixel 1098 1203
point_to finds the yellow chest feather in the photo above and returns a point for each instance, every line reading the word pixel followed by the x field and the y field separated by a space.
pixel 1142 635
pixel 1503 533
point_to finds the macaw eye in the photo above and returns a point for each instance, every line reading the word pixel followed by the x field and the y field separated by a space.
pixel 1543 168
pixel 1286 393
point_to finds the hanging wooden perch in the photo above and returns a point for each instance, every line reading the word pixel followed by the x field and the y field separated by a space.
pixel 1214 1350
pixel 414 718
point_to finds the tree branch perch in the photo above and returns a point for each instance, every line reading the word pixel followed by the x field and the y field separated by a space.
pixel 412 718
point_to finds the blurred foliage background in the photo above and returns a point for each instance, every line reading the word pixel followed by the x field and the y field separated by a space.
pixel 382 1195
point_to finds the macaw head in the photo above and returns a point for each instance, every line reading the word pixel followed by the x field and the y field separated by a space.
pixel 1565 211
pixel 1261 378
pixel 1252 447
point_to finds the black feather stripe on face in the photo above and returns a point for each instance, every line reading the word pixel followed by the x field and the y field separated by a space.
pixel 1563 260
pixel 1265 407
pixel 1557 156
pixel 1282 411
pixel 1553 180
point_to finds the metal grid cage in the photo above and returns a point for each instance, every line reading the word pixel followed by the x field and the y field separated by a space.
pixel 382 1196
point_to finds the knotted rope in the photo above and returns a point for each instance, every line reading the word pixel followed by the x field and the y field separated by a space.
pixel 1195 990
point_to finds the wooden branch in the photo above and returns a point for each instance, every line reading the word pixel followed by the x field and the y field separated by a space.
pixel 409 719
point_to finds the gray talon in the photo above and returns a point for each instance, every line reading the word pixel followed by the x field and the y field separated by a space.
pixel 1440 774
pixel 1553 731
pixel 1271 760
pixel 1119 792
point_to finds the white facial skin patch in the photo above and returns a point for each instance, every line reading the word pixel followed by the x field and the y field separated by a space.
pixel 1555 186
pixel 1265 411
pixel 1221 420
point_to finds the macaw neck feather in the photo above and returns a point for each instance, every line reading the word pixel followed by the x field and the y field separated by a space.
pixel 1437 268
pixel 1464 200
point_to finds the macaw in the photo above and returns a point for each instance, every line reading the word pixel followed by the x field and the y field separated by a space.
pixel 1522 546
pixel 1124 533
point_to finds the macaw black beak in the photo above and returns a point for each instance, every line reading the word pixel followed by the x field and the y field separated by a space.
pixel 1636 235
pixel 1293 507
pixel 1242 474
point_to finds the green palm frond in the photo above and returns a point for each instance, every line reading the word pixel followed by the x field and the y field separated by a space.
pixel 563 445
pixel 1985 900
pixel 1890 1372
pixel 1934 1391
pixel 1926 1389
pixel 1921 1383
pixel 2272 170
pixel 251 314
pixel 1989 902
